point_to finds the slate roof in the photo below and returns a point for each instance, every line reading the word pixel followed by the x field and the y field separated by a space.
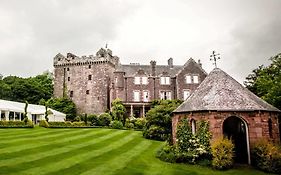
pixel 220 92
pixel 131 69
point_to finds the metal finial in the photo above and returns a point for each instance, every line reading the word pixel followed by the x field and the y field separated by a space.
pixel 215 57
pixel 106 45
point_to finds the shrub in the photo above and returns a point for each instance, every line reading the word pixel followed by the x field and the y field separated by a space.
pixel 104 119
pixel 129 125
pixel 77 119
pixel 78 124
pixel 222 152
pixel 155 132
pixel 115 124
pixel 16 124
pixel 93 119
pixel 140 123
pixel 43 123
pixel 167 153
pixel 267 156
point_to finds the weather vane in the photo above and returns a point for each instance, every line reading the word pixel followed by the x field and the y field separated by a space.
pixel 215 57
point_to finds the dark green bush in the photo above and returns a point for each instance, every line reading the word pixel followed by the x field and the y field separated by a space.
pixel 222 152
pixel 93 119
pixel 77 119
pixel 167 153
pixel 115 124
pixel 266 156
pixel 78 124
pixel 16 124
pixel 67 124
pixel 104 119
pixel 43 123
pixel 155 132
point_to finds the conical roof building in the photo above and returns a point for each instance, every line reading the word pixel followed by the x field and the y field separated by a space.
pixel 232 111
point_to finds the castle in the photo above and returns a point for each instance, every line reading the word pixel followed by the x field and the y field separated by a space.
pixel 93 82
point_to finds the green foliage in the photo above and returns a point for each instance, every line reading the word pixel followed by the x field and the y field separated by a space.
pixel 222 152
pixel 140 123
pixel 159 122
pixel 129 124
pixel 104 119
pixel 93 119
pixel 31 89
pixel 265 81
pixel 63 105
pixel 25 112
pixel 16 124
pixel 204 135
pixel 43 123
pixel 67 124
pixel 115 124
pixel 168 153
pixel 266 156
pixel 77 119
pixel 118 111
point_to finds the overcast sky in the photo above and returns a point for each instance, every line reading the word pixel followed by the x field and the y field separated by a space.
pixel 245 32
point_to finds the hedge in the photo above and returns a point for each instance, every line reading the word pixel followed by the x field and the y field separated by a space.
pixel 16 124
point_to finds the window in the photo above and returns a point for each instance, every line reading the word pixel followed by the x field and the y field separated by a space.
pixel 68 78
pixel 136 95
pixel 145 96
pixel 116 80
pixel 137 80
pixel 165 95
pixel 270 128
pixel 195 79
pixel 71 94
pixel 193 126
pixel 89 77
pixel 188 79
pixel 164 80
pixel 144 80
pixel 186 94
pixel 87 92
pixel 90 66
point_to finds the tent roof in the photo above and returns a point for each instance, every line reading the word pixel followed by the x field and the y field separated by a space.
pixel 220 92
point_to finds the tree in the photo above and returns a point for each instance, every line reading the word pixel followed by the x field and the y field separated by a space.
pixel 64 105
pixel 159 119
pixel 265 81
pixel 118 111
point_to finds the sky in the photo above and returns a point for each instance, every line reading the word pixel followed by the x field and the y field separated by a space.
pixel 246 33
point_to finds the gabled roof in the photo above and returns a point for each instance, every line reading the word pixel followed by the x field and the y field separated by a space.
pixel 131 69
pixel 220 92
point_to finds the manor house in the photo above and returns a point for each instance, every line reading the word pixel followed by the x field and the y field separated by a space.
pixel 93 82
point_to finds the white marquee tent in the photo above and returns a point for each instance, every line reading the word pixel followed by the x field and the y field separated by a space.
pixel 10 110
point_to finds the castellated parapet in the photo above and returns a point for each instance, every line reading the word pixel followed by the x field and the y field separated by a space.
pixel 86 79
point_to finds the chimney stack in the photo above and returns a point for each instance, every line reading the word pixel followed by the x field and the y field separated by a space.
pixel 153 66
pixel 170 62
pixel 199 63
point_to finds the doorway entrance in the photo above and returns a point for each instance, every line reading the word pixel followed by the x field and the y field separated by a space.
pixel 236 129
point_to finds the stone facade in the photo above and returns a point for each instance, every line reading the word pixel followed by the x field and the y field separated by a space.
pixel 93 82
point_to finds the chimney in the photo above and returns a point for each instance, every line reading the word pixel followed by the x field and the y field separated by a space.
pixel 153 65
pixel 199 63
pixel 170 62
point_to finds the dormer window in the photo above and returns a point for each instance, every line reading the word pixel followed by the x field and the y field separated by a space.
pixel 195 79
pixel 189 79
pixel 137 80
pixel 165 80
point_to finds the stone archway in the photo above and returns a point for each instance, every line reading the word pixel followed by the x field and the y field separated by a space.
pixel 236 129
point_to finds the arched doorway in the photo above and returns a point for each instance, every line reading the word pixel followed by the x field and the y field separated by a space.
pixel 236 129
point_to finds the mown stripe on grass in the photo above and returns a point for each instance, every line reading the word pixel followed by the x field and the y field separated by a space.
pixel 38 137
pixel 15 131
pixel 80 157
pixel 120 161
pixel 35 132
pixel 101 158
pixel 32 145
pixel 68 148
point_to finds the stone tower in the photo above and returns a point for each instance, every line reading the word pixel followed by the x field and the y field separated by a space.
pixel 86 80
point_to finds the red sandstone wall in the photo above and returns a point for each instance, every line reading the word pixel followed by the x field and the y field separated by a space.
pixel 257 123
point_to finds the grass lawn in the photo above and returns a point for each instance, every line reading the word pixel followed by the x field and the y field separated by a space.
pixel 88 151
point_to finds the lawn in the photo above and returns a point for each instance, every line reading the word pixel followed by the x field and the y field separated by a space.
pixel 88 151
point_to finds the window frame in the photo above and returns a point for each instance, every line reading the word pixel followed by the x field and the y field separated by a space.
pixel 134 95
pixel 165 95
pixel 137 80
pixel 145 99
pixel 165 80
pixel 186 90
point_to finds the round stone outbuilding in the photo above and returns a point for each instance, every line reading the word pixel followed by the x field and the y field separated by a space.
pixel 232 111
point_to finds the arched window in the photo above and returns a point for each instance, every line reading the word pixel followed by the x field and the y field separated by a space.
pixel 193 126
pixel 270 127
